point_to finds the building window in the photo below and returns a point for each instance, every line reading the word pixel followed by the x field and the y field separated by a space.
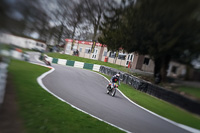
pixel 122 56
pixel 112 54
pixel 105 53
pixel 80 49
pixel 74 48
pixel 174 69
pixel 94 56
pixel 146 61
pixel 131 58
pixel 87 50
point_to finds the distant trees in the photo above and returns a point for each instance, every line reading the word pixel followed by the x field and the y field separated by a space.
pixel 25 17
pixel 4 9
pixel 93 10
pixel 165 30
pixel 56 19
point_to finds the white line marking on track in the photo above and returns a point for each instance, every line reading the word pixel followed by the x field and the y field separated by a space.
pixel 190 129
pixel 37 59
pixel 39 80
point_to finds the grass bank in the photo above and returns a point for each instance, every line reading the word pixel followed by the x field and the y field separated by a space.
pixel 42 112
pixel 192 91
pixel 160 107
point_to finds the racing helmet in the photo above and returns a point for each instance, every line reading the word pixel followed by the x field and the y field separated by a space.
pixel 117 75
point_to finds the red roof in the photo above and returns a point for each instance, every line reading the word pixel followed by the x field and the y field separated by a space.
pixel 84 42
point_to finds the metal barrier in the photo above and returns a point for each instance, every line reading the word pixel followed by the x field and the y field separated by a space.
pixel 3 68
pixel 154 90
pixel 3 77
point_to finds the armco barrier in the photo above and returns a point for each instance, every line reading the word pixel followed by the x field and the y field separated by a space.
pixel 62 62
pixel 88 66
pixel 77 64
pixel 3 76
pixel 154 90
pixel 96 67
pixel 70 63
pixel 55 60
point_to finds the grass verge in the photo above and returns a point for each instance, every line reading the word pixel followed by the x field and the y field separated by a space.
pixel 159 107
pixel 42 112
pixel 193 91
pixel 5 46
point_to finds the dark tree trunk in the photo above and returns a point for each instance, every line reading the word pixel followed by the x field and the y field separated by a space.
pixel 74 30
pixel 95 33
pixel 165 66
pixel 60 33
pixel 96 27
pixel 157 66
pixel 160 68
pixel 187 75
pixel 157 69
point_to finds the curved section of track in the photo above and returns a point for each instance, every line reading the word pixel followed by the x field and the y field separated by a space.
pixel 87 91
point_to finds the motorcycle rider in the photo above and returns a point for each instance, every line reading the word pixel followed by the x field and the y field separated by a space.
pixel 46 60
pixel 114 79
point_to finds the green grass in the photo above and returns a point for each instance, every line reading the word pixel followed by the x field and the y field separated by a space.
pixel 193 91
pixel 75 58
pixel 43 113
pixel 160 107
pixel 5 47
pixel 27 50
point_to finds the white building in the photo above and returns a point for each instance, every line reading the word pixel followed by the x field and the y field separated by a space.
pixel 22 42
pixel 133 60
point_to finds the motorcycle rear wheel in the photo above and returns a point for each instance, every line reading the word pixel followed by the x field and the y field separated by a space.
pixel 108 89
pixel 113 92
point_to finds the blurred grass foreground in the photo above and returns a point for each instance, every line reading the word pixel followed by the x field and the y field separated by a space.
pixel 162 30
pixel 41 112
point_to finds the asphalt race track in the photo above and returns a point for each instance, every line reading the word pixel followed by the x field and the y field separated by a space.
pixel 87 91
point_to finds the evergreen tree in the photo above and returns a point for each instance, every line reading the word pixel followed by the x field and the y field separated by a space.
pixel 165 30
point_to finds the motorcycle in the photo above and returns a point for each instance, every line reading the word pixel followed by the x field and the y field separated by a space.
pixel 47 61
pixel 112 89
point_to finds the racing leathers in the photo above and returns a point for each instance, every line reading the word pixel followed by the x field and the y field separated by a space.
pixel 114 79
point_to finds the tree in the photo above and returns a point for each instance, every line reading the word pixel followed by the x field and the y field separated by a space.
pixel 4 9
pixel 165 30
pixel 59 17
pixel 76 18
pixel 94 11
pixel 111 26
pixel 35 17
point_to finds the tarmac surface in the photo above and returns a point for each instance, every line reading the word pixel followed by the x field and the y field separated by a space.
pixel 87 90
